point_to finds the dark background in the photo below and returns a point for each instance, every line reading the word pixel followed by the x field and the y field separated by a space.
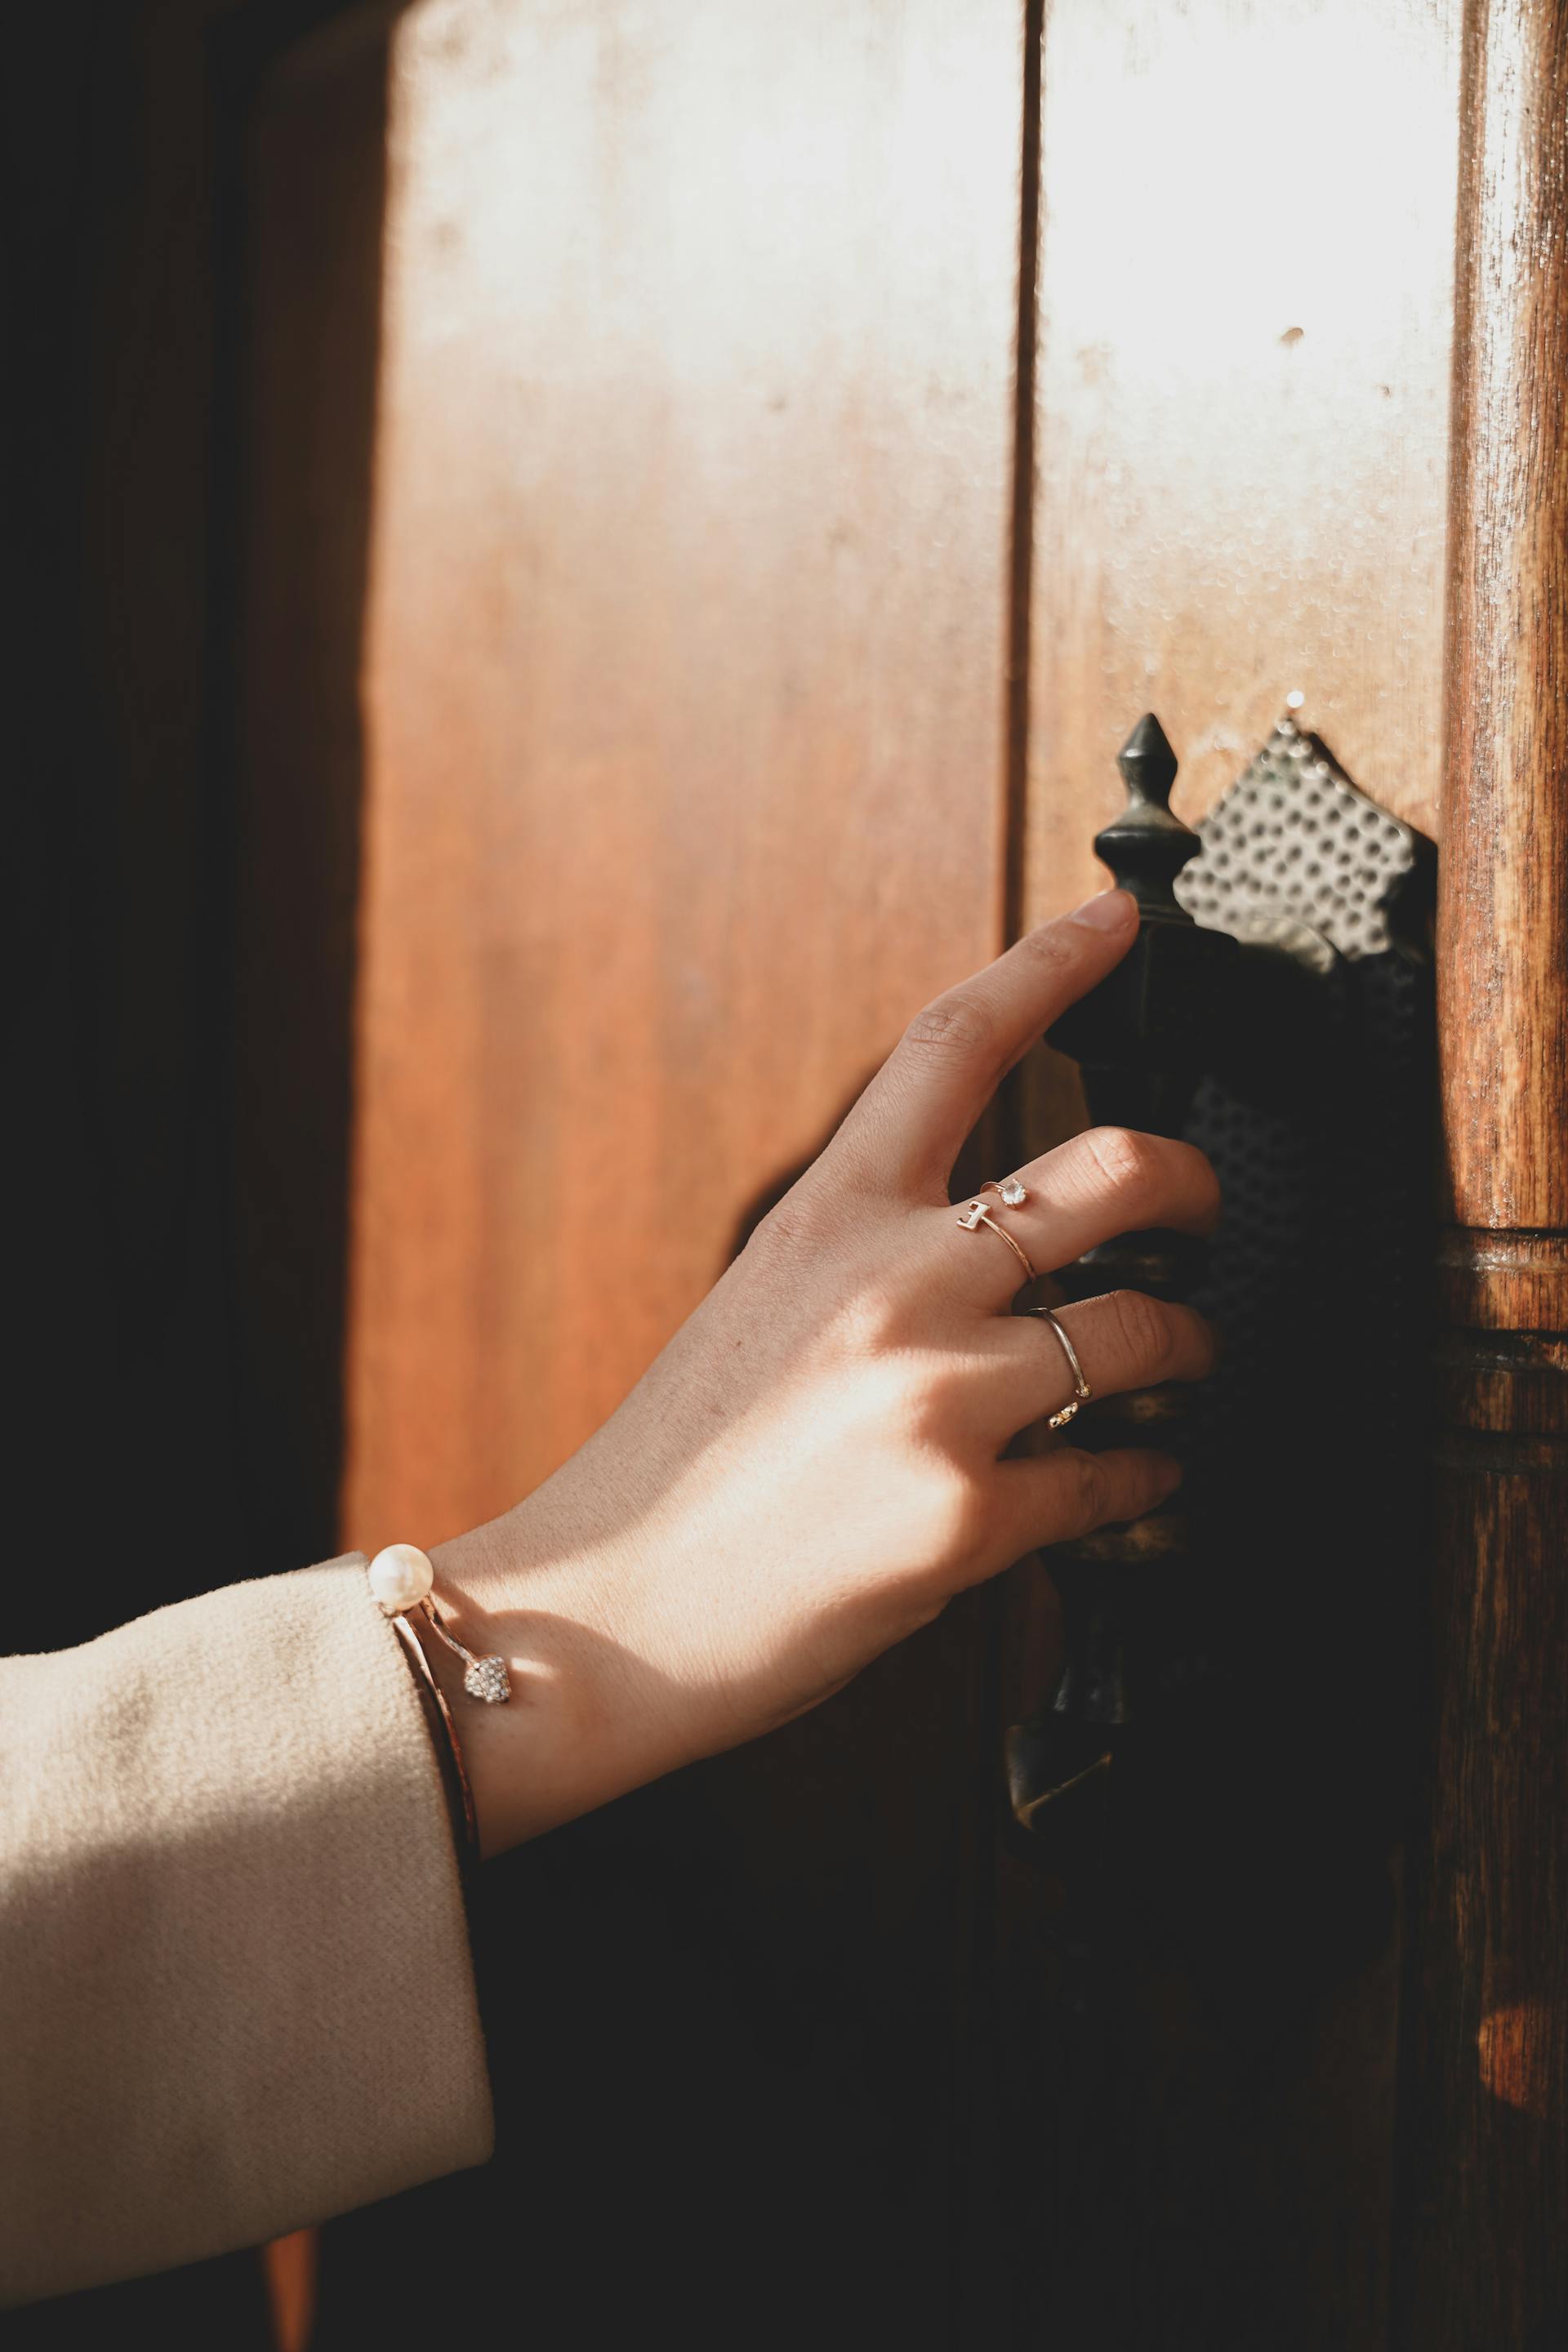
pixel 137 1474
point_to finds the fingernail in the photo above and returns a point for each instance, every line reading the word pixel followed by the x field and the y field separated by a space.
pixel 1113 910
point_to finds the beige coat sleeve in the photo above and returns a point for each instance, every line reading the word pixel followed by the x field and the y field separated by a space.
pixel 234 1964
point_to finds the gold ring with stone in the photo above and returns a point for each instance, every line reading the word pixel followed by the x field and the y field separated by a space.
pixel 1081 1390
pixel 977 1213
pixel 1009 1191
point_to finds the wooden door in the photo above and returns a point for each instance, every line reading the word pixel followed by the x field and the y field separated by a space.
pixel 1241 421
pixel 668 770
pixel 721 484
pixel 1486 2088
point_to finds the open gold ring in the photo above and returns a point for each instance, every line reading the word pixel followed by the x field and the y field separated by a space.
pixel 1081 1390
pixel 977 1213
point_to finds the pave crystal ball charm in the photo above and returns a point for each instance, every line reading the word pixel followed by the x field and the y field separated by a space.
pixel 487 1679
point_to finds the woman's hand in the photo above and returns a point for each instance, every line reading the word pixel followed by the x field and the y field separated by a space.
pixel 815 1465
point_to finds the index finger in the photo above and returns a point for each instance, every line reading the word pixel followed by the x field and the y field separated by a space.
pixel 908 1124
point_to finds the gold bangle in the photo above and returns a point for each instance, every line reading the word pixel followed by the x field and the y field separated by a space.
pixel 444 1739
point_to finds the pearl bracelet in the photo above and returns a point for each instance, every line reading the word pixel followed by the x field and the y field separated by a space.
pixel 402 1579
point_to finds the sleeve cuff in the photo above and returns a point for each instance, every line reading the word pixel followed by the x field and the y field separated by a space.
pixel 232 1919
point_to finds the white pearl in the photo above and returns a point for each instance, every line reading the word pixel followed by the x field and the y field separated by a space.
pixel 400 1576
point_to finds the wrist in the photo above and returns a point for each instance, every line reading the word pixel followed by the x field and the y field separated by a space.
pixel 576 1730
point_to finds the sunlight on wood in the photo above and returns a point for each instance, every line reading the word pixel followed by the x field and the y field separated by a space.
pixel 289 2265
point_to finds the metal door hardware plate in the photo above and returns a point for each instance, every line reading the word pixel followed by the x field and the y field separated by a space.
pixel 1219 1762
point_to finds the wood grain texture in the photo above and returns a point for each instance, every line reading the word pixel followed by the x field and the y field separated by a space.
pixel 684 680
pixel 1484 2239
pixel 684 671
pixel 1500 1281
pixel 1241 419
pixel 1245 288
pixel 1504 872
pixel 1487 2094
pixel 1513 1384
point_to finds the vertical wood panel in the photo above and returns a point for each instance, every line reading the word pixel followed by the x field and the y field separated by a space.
pixel 684 689
pixel 1504 995
pixel 1246 268
pixel 683 670
pixel 1489 2091
pixel 1245 298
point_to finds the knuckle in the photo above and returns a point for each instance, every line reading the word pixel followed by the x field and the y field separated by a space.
pixel 1145 1330
pixel 865 1328
pixel 1149 1174
pixel 957 1025
pixel 960 1516
pixel 1131 1165
pixel 940 1502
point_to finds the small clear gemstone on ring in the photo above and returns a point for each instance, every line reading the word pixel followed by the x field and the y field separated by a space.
pixel 1012 1192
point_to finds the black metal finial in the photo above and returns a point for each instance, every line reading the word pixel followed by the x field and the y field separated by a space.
pixel 1147 845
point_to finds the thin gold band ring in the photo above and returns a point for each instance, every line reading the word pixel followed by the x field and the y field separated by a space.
pixel 1081 1390
pixel 977 1213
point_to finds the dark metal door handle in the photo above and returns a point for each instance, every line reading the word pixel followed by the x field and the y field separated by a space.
pixel 1229 1682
